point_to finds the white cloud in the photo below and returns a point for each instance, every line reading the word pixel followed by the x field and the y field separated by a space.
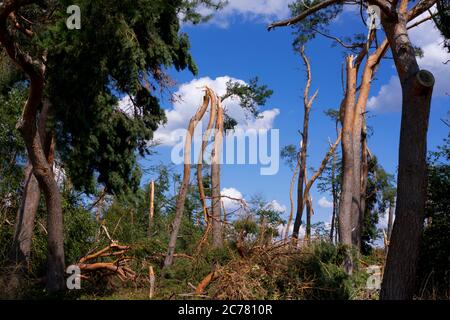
pixel 190 96
pixel 230 204
pixel 254 10
pixel 276 206
pixel 325 203
pixel 126 105
pixel 429 39
pixel 384 220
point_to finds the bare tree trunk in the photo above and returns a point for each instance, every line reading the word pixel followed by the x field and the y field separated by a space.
pixel 309 213
pixel 217 239
pixel 390 220
pixel 151 207
pixel 417 87
pixel 206 135
pixel 179 208
pixel 345 224
pixel 345 204
pixel 334 195
pixel 358 206
pixel 291 199
pixel 307 103
pixel 364 177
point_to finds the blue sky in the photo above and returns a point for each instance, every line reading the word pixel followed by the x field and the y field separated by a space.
pixel 236 44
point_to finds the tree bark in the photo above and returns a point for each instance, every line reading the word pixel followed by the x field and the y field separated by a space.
pixel 206 135
pixel 334 195
pixel 390 220
pixel 41 168
pixel 345 222
pixel 179 208
pixel 151 207
pixel 417 86
pixel 364 176
pixel 291 199
pixel 217 236
pixel 345 204
pixel 26 215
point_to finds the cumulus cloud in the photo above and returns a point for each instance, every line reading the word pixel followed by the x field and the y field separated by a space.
pixel 276 206
pixel 325 203
pixel 189 98
pixel 230 204
pixel 254 10
pixel 429 39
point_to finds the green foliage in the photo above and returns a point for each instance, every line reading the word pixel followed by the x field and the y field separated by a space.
pixel 290 155
pixel 442 20
pixel 314 272
pixel 251 96
pixel 125 48
pixel 434 275
pixel 191 15
pixel 306 29
pixel 322 264
pixel 379 195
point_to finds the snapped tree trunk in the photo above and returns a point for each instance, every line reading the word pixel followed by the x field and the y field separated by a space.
pixel 179 208
pixel 151 211
pixel 217 236
pixel 417 86
pixel 358 140
pixel 345 204
pixel 206 135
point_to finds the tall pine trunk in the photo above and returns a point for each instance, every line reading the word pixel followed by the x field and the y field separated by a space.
pixel 345 204
pixel 417 86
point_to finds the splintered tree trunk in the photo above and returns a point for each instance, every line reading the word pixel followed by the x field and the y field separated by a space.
pixel 417 86
pixel 151 208
pixel 345 222
pixel 217 236
pixel 206 135
pixel 26 215
pixel 179 208
pixel 345 204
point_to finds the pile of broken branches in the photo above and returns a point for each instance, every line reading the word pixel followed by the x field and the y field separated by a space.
pixel 108 262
